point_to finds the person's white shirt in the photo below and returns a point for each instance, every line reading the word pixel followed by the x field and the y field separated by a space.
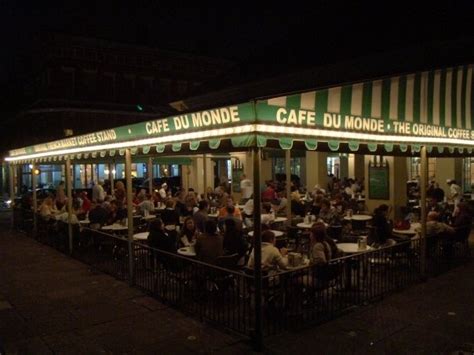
pixel 266 218
pixel 98 193
pixel 246 188
pixel 271 257
pixel 248 207
pixel 162 193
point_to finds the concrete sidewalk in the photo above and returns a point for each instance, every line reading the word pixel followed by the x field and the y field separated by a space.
pixel 50 303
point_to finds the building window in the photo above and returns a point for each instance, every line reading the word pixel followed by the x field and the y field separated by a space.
pixel 415 168
pixel 468 175
pixel 279 166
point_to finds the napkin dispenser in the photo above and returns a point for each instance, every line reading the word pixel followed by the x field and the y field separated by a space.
pixel 295 259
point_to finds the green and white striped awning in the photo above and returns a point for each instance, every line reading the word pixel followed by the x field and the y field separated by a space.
pixel 440 97
pixel 432 108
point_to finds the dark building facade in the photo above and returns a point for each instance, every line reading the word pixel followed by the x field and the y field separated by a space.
pixel 87 84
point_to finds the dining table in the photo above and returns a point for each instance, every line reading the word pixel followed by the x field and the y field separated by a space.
pixel 352 265
pixel 276 232
pixel 187 251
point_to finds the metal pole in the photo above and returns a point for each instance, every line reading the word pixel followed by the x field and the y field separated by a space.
pixel 257 250
pixel 69 202
pixel 150 175
pixel 128 177
pixel 111 178
pixel 35 200
pixel 12 193
pixel 288 183
pixel 423 187
pixel 204 168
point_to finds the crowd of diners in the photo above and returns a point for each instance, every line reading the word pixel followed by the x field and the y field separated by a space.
pixel 215 225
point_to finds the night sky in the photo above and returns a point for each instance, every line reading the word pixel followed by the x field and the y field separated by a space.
pixel 292 33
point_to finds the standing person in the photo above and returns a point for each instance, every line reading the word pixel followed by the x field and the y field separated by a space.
pixel 454 191
pixel 246 188
pixel 120 193
pixel 162 191
pixel 98 193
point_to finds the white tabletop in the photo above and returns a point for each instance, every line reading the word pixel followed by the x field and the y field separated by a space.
pixel 187 251
pixel 150 216
pixel 277 233
pixel 279 220
pixel 141 236
pixel 351 248
pixel 358 217
pixel 305 225
pixel 411 231
pixel 85 221
pixel 115 227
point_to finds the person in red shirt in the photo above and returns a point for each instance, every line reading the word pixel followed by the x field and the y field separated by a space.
pixel 269 194
pixel 86 203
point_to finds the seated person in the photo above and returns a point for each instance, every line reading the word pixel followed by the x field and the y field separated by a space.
pixel 382 226
pixel 47 208
pixel 201 216
pixel 160 238
pixel 209 245
pixel 145 204
pixel 267 216
pixel 97 215
pixel 320 252
pixel 279 205
pixel 169 215
pixel 435 227
pixel 230 215
pixel 234 242
pixel 229 202
pixel 116 212
pixel 340 204
pixel 272 258
pixel 189 233
pixel 328 214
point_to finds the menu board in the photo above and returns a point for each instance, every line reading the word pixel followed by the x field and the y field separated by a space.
pixel 379 183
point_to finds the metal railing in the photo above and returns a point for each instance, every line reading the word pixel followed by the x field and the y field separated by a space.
pixel 316 293
pixel 209 292
pixel 103 251
pixel 226 296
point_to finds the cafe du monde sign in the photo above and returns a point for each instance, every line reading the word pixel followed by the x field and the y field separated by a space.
pixel 247 113
pixel 337 121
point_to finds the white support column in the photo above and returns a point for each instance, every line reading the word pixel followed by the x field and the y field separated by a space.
pixel 69 201
pixel 204 168
pixel 288 183
pixel 35 199
pixel 111 178
pixel 423 188
pixel 12 192
pixel 128 177
pixel 150 175
pixel 257 238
